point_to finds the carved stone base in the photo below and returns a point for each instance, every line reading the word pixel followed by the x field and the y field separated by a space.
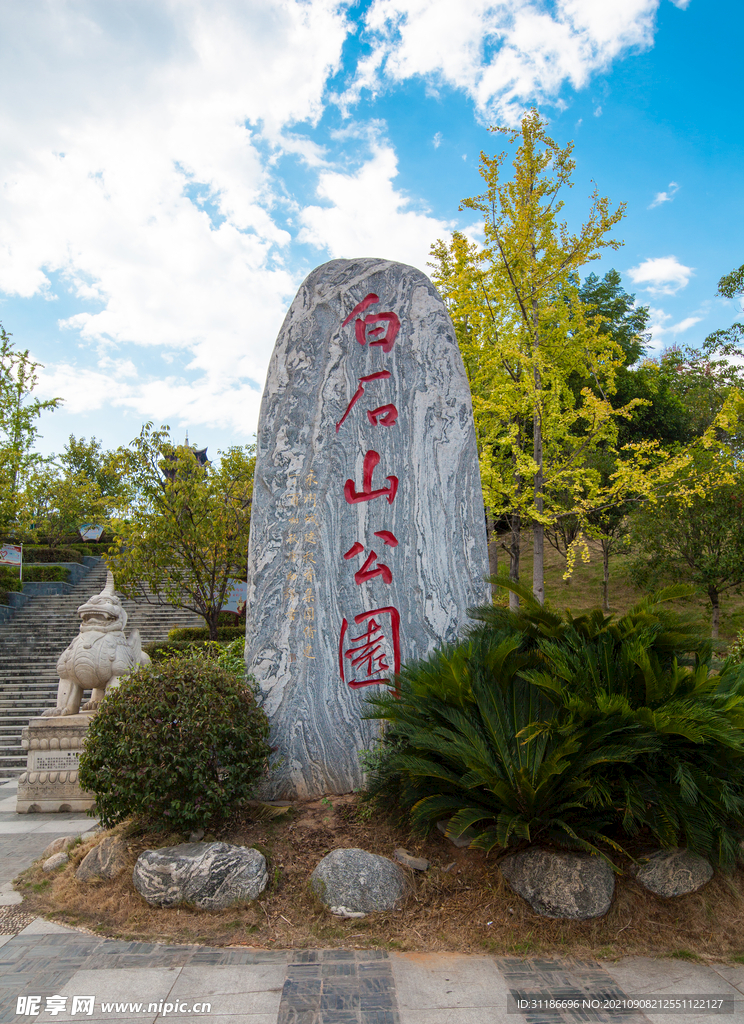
pixel 50 782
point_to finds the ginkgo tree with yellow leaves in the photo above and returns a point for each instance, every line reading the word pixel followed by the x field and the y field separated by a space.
pixel 528 341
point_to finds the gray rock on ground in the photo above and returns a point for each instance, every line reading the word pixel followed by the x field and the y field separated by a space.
pixel 55 861
pixel 561 884
pixel 209 875
pixel 675 872
pixel 107 860
pixel 61 843
pixel 409 861
pixel 357 882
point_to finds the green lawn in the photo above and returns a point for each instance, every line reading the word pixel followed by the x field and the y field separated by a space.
pixel 584 590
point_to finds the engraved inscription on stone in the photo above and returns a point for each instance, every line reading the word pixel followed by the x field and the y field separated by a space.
pixel 367 540
pixel 60 762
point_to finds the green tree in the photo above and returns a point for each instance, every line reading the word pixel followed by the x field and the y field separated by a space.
pixel 19 415
pixel 625 324
pixel 56 503
pixel 526 336
pixel 694 529
pixel 702 379
pixel 88 460
pixel 624 321
pixel 185 535
pixel 730 286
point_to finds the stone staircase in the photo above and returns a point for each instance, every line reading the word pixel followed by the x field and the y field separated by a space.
pixel 33 640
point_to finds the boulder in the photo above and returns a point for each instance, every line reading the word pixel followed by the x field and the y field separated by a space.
pixel 561 884
pixel 55 861
pixel 409 861
pixel 354 881
pixel 674 872
pixel 61 843
pixel 209 875
pixel 367 474
pixel 107 860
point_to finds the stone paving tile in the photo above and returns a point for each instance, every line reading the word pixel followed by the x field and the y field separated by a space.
pixel 538 981
pixel 339 987
pixel 229 957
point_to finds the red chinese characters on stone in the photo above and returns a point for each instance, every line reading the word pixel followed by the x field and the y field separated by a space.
pixel 367 493
pixel 373 656
pixel 385 335
pixel 384 416
pixel 367 654
pixel 367 573
pixel 381 375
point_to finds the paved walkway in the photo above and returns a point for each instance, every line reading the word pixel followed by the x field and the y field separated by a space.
pixel 50 973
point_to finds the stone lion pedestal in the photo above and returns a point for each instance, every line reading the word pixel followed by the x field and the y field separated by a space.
pixel 50 782
pixel 97 657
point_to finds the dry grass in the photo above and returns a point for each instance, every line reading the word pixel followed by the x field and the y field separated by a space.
pixel 461 904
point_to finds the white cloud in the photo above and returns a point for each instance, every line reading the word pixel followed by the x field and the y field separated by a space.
pixel 598 111
pixel 659 326
pixel 139 147
pixel 367 216
pixel 130 169
pixel 504 54
pixel 208 401
pixel 663 275
pixel 665 197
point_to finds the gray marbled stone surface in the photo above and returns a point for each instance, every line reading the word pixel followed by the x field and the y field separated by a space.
pixel 558 883
pixel 107 860
pixel 675 872
pixel 328 621
pixel 357 881
pixel 210 875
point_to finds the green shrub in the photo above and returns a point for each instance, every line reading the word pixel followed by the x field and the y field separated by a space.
pixel 9 579
pixel 45 574
pixel 202 633
pixel 227 653
pixel 166 650
pixel 577 731
pixel 34 553
pixel 180 744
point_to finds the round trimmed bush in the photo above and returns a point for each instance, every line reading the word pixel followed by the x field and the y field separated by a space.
pixel 179 744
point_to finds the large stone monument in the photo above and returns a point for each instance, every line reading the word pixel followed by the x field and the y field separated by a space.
pixel 96 658
pixel 367 540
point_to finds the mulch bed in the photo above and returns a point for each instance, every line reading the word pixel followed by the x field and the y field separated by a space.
pixel 461 904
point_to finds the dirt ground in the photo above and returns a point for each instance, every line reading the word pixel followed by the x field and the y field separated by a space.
pixel 461 904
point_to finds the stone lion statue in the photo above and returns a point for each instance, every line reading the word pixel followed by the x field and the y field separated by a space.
pixel 98 655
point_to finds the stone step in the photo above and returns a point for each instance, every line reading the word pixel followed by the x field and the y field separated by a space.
pixel 10 699
pixel 33 683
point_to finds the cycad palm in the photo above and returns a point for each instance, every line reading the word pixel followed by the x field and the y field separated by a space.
pixel 574 730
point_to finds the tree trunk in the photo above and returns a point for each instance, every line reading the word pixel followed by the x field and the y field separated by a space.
pixel 212 621
pixel 716 617
pixel 606 542
pixel 515 522
pixel 538 530
pixel 493 551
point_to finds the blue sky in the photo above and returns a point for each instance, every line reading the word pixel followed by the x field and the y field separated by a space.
pixel 171 169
